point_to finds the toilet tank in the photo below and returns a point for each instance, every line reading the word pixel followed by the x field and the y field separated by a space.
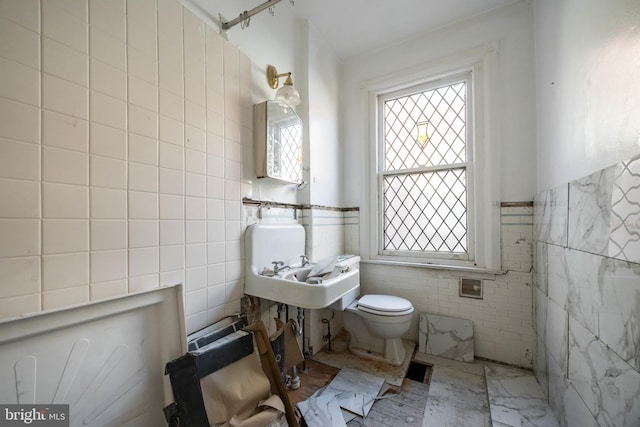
pixel 352 262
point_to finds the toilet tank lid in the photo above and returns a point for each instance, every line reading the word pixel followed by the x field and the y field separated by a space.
pixel 384 303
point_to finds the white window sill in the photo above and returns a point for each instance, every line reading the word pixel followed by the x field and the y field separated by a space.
pixel 458 270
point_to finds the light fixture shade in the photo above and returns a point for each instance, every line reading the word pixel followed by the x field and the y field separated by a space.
pixel 288 94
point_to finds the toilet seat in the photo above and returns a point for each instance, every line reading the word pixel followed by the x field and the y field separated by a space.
pixel 385 305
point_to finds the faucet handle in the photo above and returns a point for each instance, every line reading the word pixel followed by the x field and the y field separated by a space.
pixel 304 260
pixel 277 265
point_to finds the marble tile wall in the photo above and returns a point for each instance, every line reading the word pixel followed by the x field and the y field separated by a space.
pixel 587 297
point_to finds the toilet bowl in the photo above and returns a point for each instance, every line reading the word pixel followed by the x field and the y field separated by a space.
pixel 376 324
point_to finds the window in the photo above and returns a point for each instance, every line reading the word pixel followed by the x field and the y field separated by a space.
pixel 435 164
pixel 425 173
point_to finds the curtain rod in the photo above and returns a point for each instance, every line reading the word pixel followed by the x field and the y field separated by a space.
pixel 246 15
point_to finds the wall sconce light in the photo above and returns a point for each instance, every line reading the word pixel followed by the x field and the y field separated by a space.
pixel 287 92
pixel 423 132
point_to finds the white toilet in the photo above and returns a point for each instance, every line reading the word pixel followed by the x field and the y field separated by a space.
pixel 376 324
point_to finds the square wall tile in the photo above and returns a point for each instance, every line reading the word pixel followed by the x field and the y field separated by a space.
pixel 196 185
pixel 195 139
pixel 64 62
pixel 65 201
pixel 171 156
pixel 143 177
pixel 172 232
pixel 171 105
pixel 196 231
pixel 105 290
pixel 65 235
pixel 19 121
pixel 108 111
pixel 19 160
pixel 143 205
pixel 143 233
pixel 170 278
pixel 65 97
pixel 19 44
pixel 215 276
pixel 108 266
pixel 171 258
pixel 65 270
pixel 19 276
pixel 196 278
pixel 142 64
pixel 107 48
pixel 171 207
pixel 196 255
pixel 65 297
pixel 62 131
pixel 108 204
pixel 143 122
pixel 109 142
pixel 108 16
pixel 171 131
pixel 196 162
pixel 143 283
pixel 19 82
pixel 143 261
pixel 171 181
pixel 20 199
pixel 143 93
pixel 108 173
pixel 25 13
pixel 64 27
pixel 108 79
pixel 143 149
pixel 65 166
pixel 108 234
pixel 21 305
pixel 196 208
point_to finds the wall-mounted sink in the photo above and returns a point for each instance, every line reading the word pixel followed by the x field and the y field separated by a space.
pixel 306 287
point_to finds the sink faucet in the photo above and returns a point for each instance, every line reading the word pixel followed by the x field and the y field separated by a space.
pixel 304 260
pixel 279 266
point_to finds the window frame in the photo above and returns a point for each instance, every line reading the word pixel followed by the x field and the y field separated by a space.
pixel 482 62
pixel 465 76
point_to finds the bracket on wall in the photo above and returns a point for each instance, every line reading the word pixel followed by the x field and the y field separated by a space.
pixel 244 19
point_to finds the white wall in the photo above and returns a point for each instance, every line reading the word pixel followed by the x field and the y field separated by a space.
pixel 588 87
pixel 512 28
pixel 291 44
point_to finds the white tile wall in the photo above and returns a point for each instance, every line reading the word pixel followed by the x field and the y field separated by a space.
pixel 112 155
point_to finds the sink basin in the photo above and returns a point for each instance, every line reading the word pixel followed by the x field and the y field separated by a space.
pixel 290 287
pixel 294 286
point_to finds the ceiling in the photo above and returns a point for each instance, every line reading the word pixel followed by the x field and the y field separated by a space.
pixel 352 27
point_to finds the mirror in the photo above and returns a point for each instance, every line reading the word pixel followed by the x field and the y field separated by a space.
pixel 278 138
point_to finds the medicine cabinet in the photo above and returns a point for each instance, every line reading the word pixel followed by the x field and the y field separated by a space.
pixel 278 139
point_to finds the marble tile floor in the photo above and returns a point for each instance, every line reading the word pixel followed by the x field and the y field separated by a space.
pixel 475 394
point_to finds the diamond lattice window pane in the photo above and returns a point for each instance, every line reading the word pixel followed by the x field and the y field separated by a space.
pixel 426 211
pixel 443 110
pixel 285 160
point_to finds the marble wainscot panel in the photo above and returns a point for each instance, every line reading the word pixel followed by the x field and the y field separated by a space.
pixel 583 300
pixel 515 398
pixel 540 266
pixel 448 337
pixel 605 212
pixel 356 390
pixel 321 410
pixel 550 216
pixel 456 399
pixel 607 384
pixel 619 311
